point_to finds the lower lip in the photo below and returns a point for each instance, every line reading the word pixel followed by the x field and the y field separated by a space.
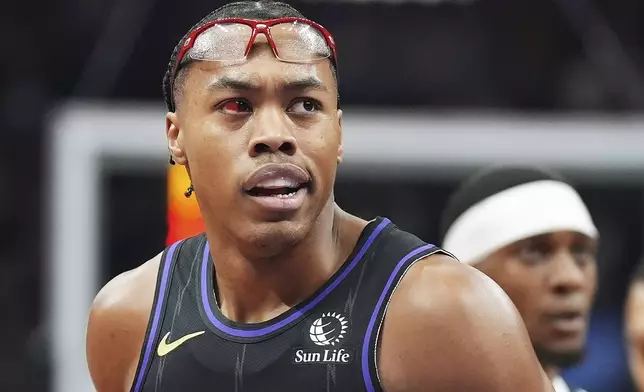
pixel 282 204
pixel 568 325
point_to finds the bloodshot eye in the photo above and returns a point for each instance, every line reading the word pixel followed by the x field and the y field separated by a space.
pixel 236 106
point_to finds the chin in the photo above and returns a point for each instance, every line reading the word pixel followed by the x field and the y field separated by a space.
pixel 266 233
pixel 271 238
pixel 560 358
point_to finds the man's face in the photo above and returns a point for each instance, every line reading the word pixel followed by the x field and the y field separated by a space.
pixel 552 280
pixel 261 140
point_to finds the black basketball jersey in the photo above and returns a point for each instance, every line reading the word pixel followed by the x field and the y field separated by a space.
pixel 327 343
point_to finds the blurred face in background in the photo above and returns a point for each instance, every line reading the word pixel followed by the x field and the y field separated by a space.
pixel 635 331
pixel 234 120
pixel 551 279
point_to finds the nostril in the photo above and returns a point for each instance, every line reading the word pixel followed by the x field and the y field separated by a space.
pixel 273 146
pixel 261 148
pixel 287 148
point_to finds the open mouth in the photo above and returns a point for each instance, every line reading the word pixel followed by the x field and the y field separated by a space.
pixel 572 315
pixel 568 321
pixel 278 187
pixel 275 192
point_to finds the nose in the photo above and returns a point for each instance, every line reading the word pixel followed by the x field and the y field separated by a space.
pixel 567 275
pixel 273 137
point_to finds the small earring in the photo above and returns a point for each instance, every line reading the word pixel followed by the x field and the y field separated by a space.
pixel 189 191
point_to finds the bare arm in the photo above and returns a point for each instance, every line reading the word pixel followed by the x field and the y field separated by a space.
pixel 449 328
pixel 116 328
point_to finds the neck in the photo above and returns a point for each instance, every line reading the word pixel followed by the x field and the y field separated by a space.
pixel 251 290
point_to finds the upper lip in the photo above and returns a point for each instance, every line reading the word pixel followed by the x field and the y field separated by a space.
pixel 288 171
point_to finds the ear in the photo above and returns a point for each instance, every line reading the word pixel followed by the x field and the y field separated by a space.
pixel 340 146
pixel 175 138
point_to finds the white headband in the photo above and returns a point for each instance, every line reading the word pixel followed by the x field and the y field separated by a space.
pixel 514 214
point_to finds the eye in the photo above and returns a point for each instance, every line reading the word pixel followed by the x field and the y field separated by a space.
pixel 534 252
pixel 236 106
pixel 583 253
pixel 304 106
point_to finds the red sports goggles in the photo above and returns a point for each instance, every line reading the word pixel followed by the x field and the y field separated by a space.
pixel 294 40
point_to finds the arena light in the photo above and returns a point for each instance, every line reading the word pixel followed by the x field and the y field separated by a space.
pixel 88 139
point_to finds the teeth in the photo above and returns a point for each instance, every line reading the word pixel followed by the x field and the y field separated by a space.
pixel 280 182
pixel 285 196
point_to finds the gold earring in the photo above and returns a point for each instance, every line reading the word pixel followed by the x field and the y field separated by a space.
pixel 189 191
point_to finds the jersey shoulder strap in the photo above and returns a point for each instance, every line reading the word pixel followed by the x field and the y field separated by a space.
pixel 399 251
pixel 167 266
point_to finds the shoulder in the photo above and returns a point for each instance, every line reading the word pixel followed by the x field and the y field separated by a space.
pixel 462 296
pixel 117 325
pixel 127 292
pixel 445 284
pixel 449 324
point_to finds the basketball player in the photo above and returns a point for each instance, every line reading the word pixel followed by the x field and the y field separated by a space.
pixel 532 234
pixel 635 326
pixel 285 291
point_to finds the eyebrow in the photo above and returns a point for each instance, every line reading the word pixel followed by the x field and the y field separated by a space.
pixel 577 237
pixel 306 83
pixel 248 84
pixel 230 83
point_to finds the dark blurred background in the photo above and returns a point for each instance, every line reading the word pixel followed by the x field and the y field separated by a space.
pixel 579 58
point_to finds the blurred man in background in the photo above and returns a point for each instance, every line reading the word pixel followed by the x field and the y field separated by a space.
pixel 530 231
pixel 635 326
pixel 285 291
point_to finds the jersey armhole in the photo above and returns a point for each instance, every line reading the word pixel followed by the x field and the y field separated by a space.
pixel 372 337
pixel 166 266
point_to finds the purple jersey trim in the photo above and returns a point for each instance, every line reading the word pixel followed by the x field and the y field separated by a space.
pixel 157 315
pixel 366 375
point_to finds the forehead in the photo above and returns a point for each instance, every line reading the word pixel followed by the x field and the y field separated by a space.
pixel 552 239
pixel 562 237
pixel 496 262
pixel 263 67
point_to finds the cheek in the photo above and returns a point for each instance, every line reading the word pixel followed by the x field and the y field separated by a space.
pixel 322 146
pixel 323 161
pixel 591 279
pixel 213 152
pixel 524 298
pixel 522 286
